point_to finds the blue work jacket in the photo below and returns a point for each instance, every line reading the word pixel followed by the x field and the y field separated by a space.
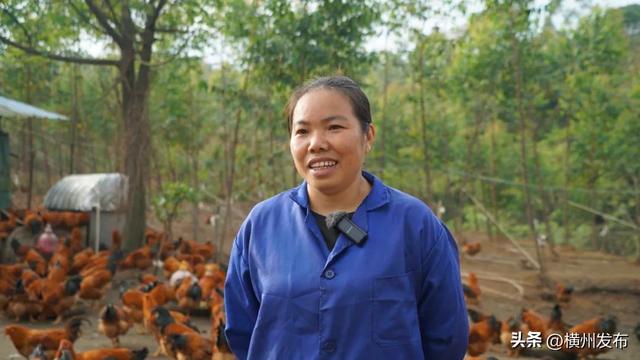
pixel 396 296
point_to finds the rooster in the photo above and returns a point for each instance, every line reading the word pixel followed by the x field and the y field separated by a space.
pixel 563 293
pixel 25 340
pixel 597 325
pixel 472 290
pixel 113 323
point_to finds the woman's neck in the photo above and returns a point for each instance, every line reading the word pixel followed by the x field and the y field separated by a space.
pixel 346 200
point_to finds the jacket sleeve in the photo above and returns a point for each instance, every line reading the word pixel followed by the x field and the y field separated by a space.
pixel 241 304
pixel 443 315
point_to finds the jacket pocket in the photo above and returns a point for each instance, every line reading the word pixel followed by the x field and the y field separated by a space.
pixel 395 310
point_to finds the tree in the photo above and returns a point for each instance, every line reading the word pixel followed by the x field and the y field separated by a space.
pixel 131 28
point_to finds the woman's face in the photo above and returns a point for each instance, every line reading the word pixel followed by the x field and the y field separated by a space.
pixel 327 142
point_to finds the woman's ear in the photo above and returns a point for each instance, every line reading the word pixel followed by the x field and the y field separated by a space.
pixel 370 136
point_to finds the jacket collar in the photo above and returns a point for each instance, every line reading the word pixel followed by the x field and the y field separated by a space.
pixel 377 197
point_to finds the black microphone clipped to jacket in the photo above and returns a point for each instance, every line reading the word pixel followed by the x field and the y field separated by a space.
pixel 340 221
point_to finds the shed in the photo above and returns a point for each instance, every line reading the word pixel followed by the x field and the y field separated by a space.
pixel 104 195
pixel 10 108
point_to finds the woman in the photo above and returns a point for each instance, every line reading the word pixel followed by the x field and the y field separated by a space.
pixel 297 289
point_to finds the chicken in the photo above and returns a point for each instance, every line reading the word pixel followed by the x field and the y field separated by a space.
pixel 170 265
pixel 482 334
pixel 189 295
pixel 66 352
pixel 597 325
pixel 471 248
pixel 57 302
pixel 95 285
pixel 162 326
pixel 218 321
pixel 76 244
pixel 25 340
pixel 19 250
pixel 19 304
pixel 190 247
pixel 508 327
pixel 190 346
pixel 534 321
pixel 555 324
pixel 563 293
pixel 141 259
pixel 213 278
pixel 33 221
pixel 472 290
pixel 113 323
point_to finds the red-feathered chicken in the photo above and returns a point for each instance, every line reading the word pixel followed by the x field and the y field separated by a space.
pixel 25 339
pixel 113 323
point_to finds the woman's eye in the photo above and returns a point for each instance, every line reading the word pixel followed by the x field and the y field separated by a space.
pixel 335 127
pixel 301 131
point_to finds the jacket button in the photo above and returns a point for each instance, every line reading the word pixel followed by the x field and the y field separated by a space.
pixel 329 274
pixel 329 346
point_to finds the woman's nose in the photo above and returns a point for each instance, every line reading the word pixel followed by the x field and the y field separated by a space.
pixel 318 142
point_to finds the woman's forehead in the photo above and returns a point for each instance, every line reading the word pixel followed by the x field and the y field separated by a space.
pixel 322 104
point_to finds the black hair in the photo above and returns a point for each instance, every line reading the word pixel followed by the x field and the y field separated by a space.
pixel 346 86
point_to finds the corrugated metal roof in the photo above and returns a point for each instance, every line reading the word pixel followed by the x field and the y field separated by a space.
pixel 83 192
pixel 14 108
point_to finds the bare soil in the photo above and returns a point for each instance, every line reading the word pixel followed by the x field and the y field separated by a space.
pixel 604 285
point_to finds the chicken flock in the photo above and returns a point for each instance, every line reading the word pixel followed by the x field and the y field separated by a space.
pixel 56 287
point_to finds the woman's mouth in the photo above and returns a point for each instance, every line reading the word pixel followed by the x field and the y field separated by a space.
pixel 323 168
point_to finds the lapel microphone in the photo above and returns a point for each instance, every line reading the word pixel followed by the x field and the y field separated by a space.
pixel 340 220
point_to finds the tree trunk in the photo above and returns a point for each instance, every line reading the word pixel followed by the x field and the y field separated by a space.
pixel 31 150
pixel 494 173
pixel 517 72
pixel 426 165
pixel 383 117
pixel 74 117
pixel 134 101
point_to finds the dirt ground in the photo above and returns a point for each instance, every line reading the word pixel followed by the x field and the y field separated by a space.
pixel 618 279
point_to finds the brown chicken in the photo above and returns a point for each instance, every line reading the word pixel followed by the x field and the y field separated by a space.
pixel 189 295
pixel 472 290
pixel 190 247
pixel 95 286
pixel 170 265
pixel 66 352
pixel 113 323
pixel 471 248
pixel 141 259
pixel 555 325
pixel 507 329
pixel 213 278
pixel 534 321
pixel 563 293
pixel 163 325
pixel 20 306
pixel 189 346
pixel 25 340
pixel 598 325
pixel 33 221
pixel 482 334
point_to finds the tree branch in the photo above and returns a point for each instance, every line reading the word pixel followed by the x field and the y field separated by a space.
pixel 84 17
pixel 113 13
pixel 70 59
pixel 103 19
pixel 15 19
